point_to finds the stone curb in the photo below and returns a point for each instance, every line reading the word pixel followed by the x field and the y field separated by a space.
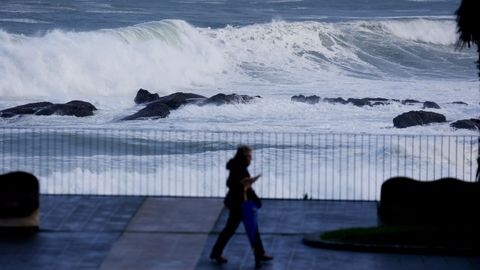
pixel 314 240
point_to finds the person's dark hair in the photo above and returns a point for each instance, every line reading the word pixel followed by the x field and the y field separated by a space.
pixel 242 152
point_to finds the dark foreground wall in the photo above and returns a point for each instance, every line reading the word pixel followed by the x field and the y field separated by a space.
pixel 444 202
pixel 19 203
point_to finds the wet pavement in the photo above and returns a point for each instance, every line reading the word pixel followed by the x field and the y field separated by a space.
pixel 117 232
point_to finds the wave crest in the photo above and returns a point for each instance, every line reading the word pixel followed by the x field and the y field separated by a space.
pixel 112 62
pixel 172 55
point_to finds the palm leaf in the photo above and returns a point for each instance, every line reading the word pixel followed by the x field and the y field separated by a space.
pixel 468 23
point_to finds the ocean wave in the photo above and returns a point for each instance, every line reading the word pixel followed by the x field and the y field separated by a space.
pixel 104 11
pixel 172 55
pixel 423 30
pixel 111 62
pixel 22 20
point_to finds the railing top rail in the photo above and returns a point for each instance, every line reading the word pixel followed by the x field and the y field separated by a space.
pixel 146 129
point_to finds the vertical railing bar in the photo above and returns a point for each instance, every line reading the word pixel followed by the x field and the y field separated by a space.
pixel 369 179
pixel 405 155
pixel 354 179
pixel 59 156
pixel 391 156
pixel 441 158
pixel 398 155
pixel 94 145
pixel 277 184
pixel 205 159
pixel 223 147
pixel 463 161
pixel 383 159
pixel 33 162
pixel 449 155
pixel 456 157
pixel 106 135
pixel 319 166
pixel 362 165
pixel 290 164
pixel 472 171
pixel 325 165
pixel 305 163
pixel 129 148
pixel 375 172
pixel 434 157
pixel 333 165
pixel 420 158
pixel 427 153
pixel 340 166
pixel 347 171
pixel 413 156
pixel 311 165
pixel 81 158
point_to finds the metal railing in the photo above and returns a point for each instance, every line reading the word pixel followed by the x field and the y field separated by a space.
pixel 192 163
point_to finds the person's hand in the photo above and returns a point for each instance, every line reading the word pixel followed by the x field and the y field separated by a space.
pixel 256 178
pixel 247 181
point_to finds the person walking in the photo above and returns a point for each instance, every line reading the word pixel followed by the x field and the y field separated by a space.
pixel 239 185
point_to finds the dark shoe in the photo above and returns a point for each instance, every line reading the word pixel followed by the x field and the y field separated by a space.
pixel 219 259
pixel 265 258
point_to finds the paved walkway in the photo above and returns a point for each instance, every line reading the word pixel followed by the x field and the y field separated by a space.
pixel 97 232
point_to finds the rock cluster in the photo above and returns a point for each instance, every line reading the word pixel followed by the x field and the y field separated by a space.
pixel 415 118
pixel 160 107
pixel 156 106
pixel 74 108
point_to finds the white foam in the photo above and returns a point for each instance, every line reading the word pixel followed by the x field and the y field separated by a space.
pixel 22 20
pixel 160 55
pixel 275 60
pixel 422 30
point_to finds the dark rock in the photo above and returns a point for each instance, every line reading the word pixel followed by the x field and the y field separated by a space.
pixel 459 103
pixel 430 105
pixel 175 100
pixel 19 194
pixel 415 118
pixel 153 110
pixel 310 99
pixel 221 99
pixel 377 99
pixel 161 107
pixel 82 104
pixel 73 108
pixel 30 108
pixel 298 98
pixel 335 100
pixel 473 124
pixel 144 96
pixel 444 202
pixel 410 101
pixel 360 102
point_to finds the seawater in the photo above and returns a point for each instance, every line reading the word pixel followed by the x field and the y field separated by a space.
pixel 104 51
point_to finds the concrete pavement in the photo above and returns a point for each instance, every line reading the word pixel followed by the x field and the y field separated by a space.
pixel 116 232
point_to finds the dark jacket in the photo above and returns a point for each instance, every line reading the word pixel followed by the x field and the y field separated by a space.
pixel 236 192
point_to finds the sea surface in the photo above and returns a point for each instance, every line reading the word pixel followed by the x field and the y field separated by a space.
pixel 103 51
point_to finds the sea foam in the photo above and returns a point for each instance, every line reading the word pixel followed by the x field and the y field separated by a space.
pixel 171 55
pixel 112 62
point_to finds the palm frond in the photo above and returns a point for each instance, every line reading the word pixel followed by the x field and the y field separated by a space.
pixel 468 23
